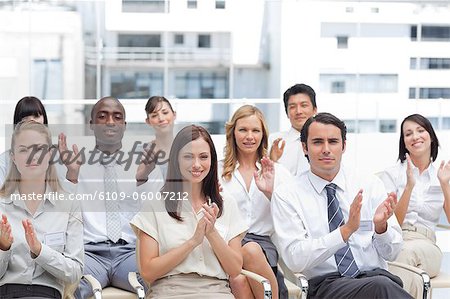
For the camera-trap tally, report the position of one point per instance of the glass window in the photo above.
(445, 123)
(47, 79)
(220, 4)
(178, 39)
(140, 40)
(140, 85)
(143, 6)
(412, 92)
(412, 63)
(388, 125)
(435, 33)
(338, 87)
(342, 42)
(193, 85)
(434, 63)
(204, 41)
(434, 93)
(413, 32)
(191, 3)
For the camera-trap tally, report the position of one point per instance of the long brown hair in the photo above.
(231, 149)
(13, 178)
(174, 180)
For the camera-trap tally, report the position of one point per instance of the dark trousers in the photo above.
(375, 284)
(16, 290)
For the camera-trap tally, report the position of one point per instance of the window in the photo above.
(204, 41)
(140, 40)
(412, 92)
(374, 10)
(132, 85)
(435, 63)
(338, 87)
(388, 125)
(192, 4)
(349, 9)
(47, 79)
(413, 32)
(342, 42)
(220, 4)
(445, 123)
(178, 39)
(205, 85)
(435, 33)
(434, 93)
(413, 63)
(365, 83)
(157, 6)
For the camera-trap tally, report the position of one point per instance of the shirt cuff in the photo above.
(384, 237)
(45, 256)
(5, 254)
(334, 241)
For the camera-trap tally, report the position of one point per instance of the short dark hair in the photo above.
(153, 102)
(28, 106)
(174, 180)
(299, 88)
(323, 118)
(424, 123)
(103, 99)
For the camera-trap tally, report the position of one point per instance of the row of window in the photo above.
(429, 63)
(158, 6)
(364, 83)
(429, 93)
(388, 125)
(188, 85)
(154, 40)
(430, 33)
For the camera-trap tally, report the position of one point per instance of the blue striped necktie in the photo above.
(344, 257)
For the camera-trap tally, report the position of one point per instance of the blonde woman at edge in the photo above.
(189, 242)
(250, 178)
(424, 191)
(41, 240)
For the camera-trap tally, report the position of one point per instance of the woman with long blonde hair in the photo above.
(41, 231)
(250, 177)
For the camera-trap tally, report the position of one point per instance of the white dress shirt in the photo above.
(129, 197)
(293, 157)
(59, 228)
(427, 200)
(170, 233)
(253, 204)
(300, 218)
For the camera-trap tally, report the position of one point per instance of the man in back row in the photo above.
(299, 104)
(341, 244)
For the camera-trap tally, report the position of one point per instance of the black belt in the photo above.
(17, 290)
(109, 242)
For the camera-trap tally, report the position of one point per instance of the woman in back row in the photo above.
(423, 191)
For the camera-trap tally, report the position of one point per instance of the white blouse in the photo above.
(253, 204)
(154, 220)
(427, 200)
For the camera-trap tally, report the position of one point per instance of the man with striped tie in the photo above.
(336, 229)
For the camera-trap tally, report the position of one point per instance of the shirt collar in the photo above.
(258, 165)
(319, 184)
(293, 134)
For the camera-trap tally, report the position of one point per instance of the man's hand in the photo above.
(384, 212)
(354, 217)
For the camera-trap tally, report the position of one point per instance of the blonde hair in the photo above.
(231, 149)
(13, 178)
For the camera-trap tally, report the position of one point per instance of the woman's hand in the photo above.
(147, 165)
(410, 180)
(199, 233)
(444, 172)
(30, 235)
(210, 216)
(6, 238)
(266, 179)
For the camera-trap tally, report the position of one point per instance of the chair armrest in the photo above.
(264, 281)
(418, 271)
(96, 287)
(134, 282)
(302, 283)
(443, 226)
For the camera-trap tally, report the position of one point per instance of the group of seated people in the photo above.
(188, 223)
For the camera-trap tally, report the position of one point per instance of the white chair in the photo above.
(442, 280)
(115, 293)
(296, 283)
